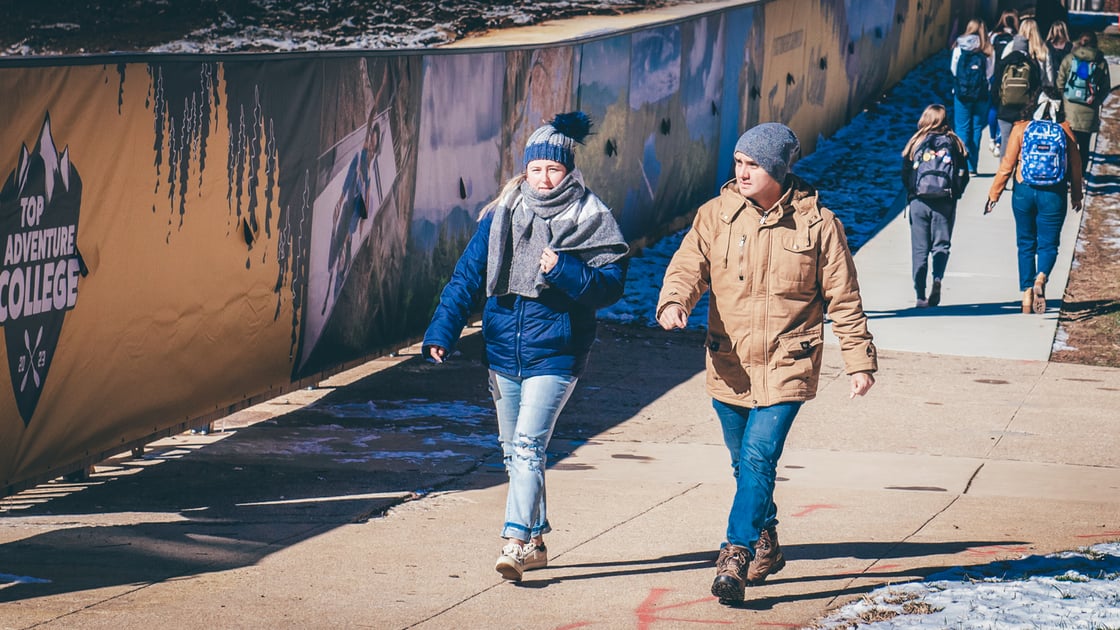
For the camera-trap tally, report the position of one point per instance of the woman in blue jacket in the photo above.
(548, 253)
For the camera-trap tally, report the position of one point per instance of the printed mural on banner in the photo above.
(39, 206)
(360, 172)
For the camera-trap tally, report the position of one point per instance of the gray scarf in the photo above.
(568, 218)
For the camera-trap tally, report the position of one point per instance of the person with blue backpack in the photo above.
(935, 174)
(547, 253)
(1085, 81)
(1042, 157)
(971, 64)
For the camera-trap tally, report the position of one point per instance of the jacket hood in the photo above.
(800, 196)
(969, 42)
(1086, 53)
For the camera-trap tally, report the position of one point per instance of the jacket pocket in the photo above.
(725, 370)
(795, 264)
(797, 358)
(800, 345)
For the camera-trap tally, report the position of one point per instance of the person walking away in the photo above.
(547, 253)
(971, 64)
(1037, 50)
(1058, 45)
(934, 174)
(1085, 81)
(1017, 79)
(773, 259)
(1002, 34)
(1046, 168)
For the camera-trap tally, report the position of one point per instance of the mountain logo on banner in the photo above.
(39, 270)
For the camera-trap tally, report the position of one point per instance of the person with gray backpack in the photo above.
(1085, 81)
(935, 174)
(1040, 156)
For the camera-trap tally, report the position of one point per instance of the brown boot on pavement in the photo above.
(731, 570)
(768, 557)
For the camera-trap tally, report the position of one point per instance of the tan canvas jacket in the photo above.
(771, 275)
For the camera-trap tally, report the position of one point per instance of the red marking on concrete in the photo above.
(994, 550)
(1100, 535)
(648, 610)
(813, 507)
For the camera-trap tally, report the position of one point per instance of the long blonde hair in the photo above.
(511, 185)
(933, 120)
(976, 26)
(1058, 36)
(1028, 28)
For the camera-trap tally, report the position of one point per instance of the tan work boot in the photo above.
(768, 557)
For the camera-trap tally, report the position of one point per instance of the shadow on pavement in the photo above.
(210, 503)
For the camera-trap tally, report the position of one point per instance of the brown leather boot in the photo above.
(768, 557)
(731, 570)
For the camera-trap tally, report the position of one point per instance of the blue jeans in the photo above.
(1039, 215)
(527, 411)
(755, 437)
(931, 228)
(969, 120)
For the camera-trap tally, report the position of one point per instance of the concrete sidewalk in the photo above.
(335, 507)
(375, 499)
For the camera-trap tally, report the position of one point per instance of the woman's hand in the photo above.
(549, 259)
(437, 353)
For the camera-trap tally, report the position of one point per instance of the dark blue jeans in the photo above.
(969, 120)
(1039, 215)
(755, 437)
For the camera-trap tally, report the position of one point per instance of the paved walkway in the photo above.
(374, 501)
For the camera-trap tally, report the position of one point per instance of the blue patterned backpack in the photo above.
(1042, 161)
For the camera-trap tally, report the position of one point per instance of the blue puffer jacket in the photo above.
(551, 334)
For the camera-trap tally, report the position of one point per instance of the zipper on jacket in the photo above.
(517, 334)
(742, 249)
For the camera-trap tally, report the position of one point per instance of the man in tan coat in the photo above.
(774, 261)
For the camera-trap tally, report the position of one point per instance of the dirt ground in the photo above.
(1091, 307)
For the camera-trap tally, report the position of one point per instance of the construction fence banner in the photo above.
(185, 234)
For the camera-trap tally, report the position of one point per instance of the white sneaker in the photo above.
(511, 564)
(535, 557)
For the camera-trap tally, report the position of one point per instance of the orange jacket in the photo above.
(1010, 163)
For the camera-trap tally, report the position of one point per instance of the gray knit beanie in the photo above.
(773, 145)
(555, 139)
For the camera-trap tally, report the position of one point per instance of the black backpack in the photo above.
(936, 175)
(971, 84)
(1000, 41)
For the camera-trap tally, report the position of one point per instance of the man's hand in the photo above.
(674, 316)
(1077, 206)
(988, 207)
(861, 382)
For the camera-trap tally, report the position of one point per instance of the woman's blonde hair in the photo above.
(1058, 36)
(933, 120)
(976, 26)
(511, 185)
(1028, 28)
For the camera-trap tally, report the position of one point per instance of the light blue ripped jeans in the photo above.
(527, 411)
